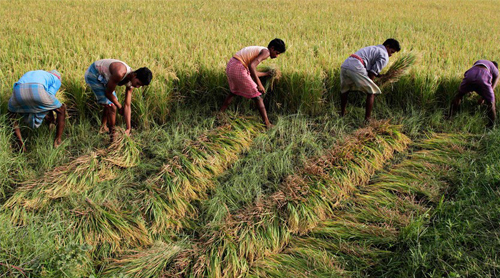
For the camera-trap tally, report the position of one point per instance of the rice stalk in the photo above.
(146, 263)
(109, 223)
(124, 151)
(79, 175)
(168, 196)
(302, 201)
(362, 234)
(404, 62)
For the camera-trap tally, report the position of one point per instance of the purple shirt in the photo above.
(491, 68)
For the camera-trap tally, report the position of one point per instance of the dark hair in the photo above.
(278, 45)
(495, 63)
(144, 75)
(392, 43)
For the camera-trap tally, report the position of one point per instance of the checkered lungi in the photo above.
(240, 80)
(33, 102)
(356, 81)
(98, 85)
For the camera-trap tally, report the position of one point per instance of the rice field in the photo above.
(196, 193)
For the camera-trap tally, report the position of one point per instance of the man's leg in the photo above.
(455, 103)
(17, 131)
(343, 103)
(111, 113)
(61, 116)
(104, 120)
(227, 101)
(262, 110)
(370, 98)
(49, 118)
(492, 113)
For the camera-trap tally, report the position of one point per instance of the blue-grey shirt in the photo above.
(375, 58)
(49, 81)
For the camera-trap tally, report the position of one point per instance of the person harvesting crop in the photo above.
(243, 77)
(34, 99)
(103, 76)
(481, 78)
(360, 69)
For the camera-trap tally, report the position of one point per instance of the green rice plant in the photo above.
(362, 233)
(150, 262)
(274, 77)
(75, 177)
(34, 250)
(397, 69)
(302, 201)
(168, 195)
(124, 151)
(109, 223)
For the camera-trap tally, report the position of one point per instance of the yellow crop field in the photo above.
(198, 193)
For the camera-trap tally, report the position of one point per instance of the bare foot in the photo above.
(57, 142)
(103, 129)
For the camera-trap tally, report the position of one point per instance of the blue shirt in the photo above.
(375, 58)
(49, 81)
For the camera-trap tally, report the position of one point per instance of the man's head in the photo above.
(276, 47)
(392, 46)
(495, 63)
(142, 77)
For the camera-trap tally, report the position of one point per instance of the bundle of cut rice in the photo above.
(274, 76)
(397, 69)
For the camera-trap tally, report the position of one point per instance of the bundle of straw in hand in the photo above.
(274, 76)
(397, 69)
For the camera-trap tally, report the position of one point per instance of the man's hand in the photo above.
(121, 110)
(261, 89)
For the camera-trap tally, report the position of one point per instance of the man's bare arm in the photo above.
(264, 54)
(118, 71)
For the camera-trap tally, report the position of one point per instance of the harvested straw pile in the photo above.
(305, 199)
(123, 151)
(78, 176)
(189, 174)
(364, 232)
(397, 69)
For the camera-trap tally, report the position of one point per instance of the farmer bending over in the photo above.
(243, 76)
(481, 78)
(359, 70)
(34, 99)
(103, 76)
